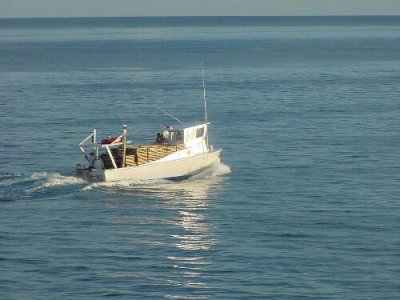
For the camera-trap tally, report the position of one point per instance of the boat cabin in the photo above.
(189, 136)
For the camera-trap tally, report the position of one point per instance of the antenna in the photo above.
(169, 115)
(204, 93)
(205, 103)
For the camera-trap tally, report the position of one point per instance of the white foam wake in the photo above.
(50, 180)
(221, 170)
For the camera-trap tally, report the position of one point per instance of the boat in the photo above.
(177, 154)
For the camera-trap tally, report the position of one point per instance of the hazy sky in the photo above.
(78, 8)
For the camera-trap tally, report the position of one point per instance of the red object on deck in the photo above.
(108, 140)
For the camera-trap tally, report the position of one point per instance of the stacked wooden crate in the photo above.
(149, 153)
(131, 160)
(130, 155)
(139, 155)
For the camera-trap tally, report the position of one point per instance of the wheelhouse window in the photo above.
(179, 136)
(200, 132)
(174, 136)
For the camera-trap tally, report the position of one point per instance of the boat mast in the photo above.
(124, 144)
(205, 102)
(204, 93)
(94, 141)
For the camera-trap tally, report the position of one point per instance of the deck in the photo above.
(137, 155)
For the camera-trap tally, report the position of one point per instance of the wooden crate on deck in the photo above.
(130, 160)
(149, 153)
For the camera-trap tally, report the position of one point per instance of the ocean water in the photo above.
(306, 201)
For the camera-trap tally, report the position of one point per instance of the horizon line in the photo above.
(202, 16)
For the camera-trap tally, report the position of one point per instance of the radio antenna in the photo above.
(204, 93)
(205, 102)
(169, 115)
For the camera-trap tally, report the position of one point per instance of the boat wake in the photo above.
(51, 180)
(216, 170)
(219, 169)
(15, 186)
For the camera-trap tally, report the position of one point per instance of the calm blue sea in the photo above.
(306, 202)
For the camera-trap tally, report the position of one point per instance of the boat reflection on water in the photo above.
(196, 233)
(172, 218)
(195, 236)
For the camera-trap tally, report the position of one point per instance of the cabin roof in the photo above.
(186, 126)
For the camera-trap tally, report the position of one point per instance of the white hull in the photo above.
(169, 169)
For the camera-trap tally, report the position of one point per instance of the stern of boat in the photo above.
(89, 174)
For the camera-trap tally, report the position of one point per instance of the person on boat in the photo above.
(91, 158)
(159, 139)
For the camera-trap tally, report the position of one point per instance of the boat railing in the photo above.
(92, 136)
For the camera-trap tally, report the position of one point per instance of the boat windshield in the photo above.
(173, 136)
